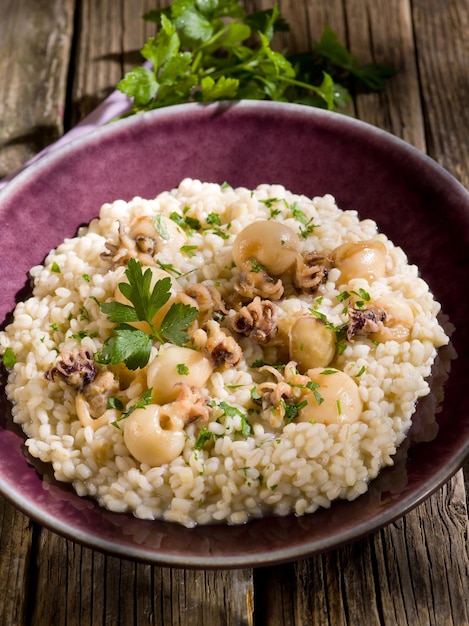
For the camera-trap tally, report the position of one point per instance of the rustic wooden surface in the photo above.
(58, 60)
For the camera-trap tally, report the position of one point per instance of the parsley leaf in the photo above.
(128, 345)
(206, 50)
(176, 321)
(131, 345)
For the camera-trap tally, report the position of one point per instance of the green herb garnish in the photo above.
(131, 345)
(298, 214)
(168, 267)
(9, 358)
(292, 410)
(185, 221)
(213, 219)
(160, 226)
(145, 400)
(114, 403)
(313, 386)
(214, 50)
(256, 267)
(203, 438)
(189, 250)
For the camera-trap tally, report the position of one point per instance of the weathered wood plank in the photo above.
(109, 39)
(76, 585)
(441, 35)
(427, 562)
(382, 32)
(15, 547)
(414, 572)
(34, 53)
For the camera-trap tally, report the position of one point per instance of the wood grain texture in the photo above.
(76, 585)
(441, 36)
(414, 571)
(15, 548)
(383, 33)
(34, 54)
(109, 37)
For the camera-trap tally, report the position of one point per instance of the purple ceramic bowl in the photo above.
(414, 201)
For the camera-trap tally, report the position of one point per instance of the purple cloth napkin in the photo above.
(114, 105)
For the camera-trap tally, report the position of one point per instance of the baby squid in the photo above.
(335, 400)
(266, 244)
(360, 259)
(173, 366)
(311, 343)
(154, 434)
(152, 235)
(398, 321)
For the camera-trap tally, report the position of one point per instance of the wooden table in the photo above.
(58, 60)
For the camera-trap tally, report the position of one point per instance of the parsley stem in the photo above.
(197, 59)
(206, 44)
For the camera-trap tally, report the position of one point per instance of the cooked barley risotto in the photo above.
(220, 354)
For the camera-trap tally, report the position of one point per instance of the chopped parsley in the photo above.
(292, 410)
(255, 395)
(256, 267)
(9, 358)
(307, 223)
(189, 250)
(114, 403)
(365, 297)
(185, 221)
(313, 386)
(203, 438)
(343, 296)
(144, 400)
(168, 267)
(160, 226)
(221, 233)
(261, 363)
(213, 219)
(362, 371)
(298, 214)
(182, 369)
(81, 334)
(84, 315)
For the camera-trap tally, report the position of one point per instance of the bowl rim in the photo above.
(266, 557)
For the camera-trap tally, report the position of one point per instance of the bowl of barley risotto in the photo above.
(232, 334)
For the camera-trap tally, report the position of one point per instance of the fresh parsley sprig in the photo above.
(131, 345)
(213, 50)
